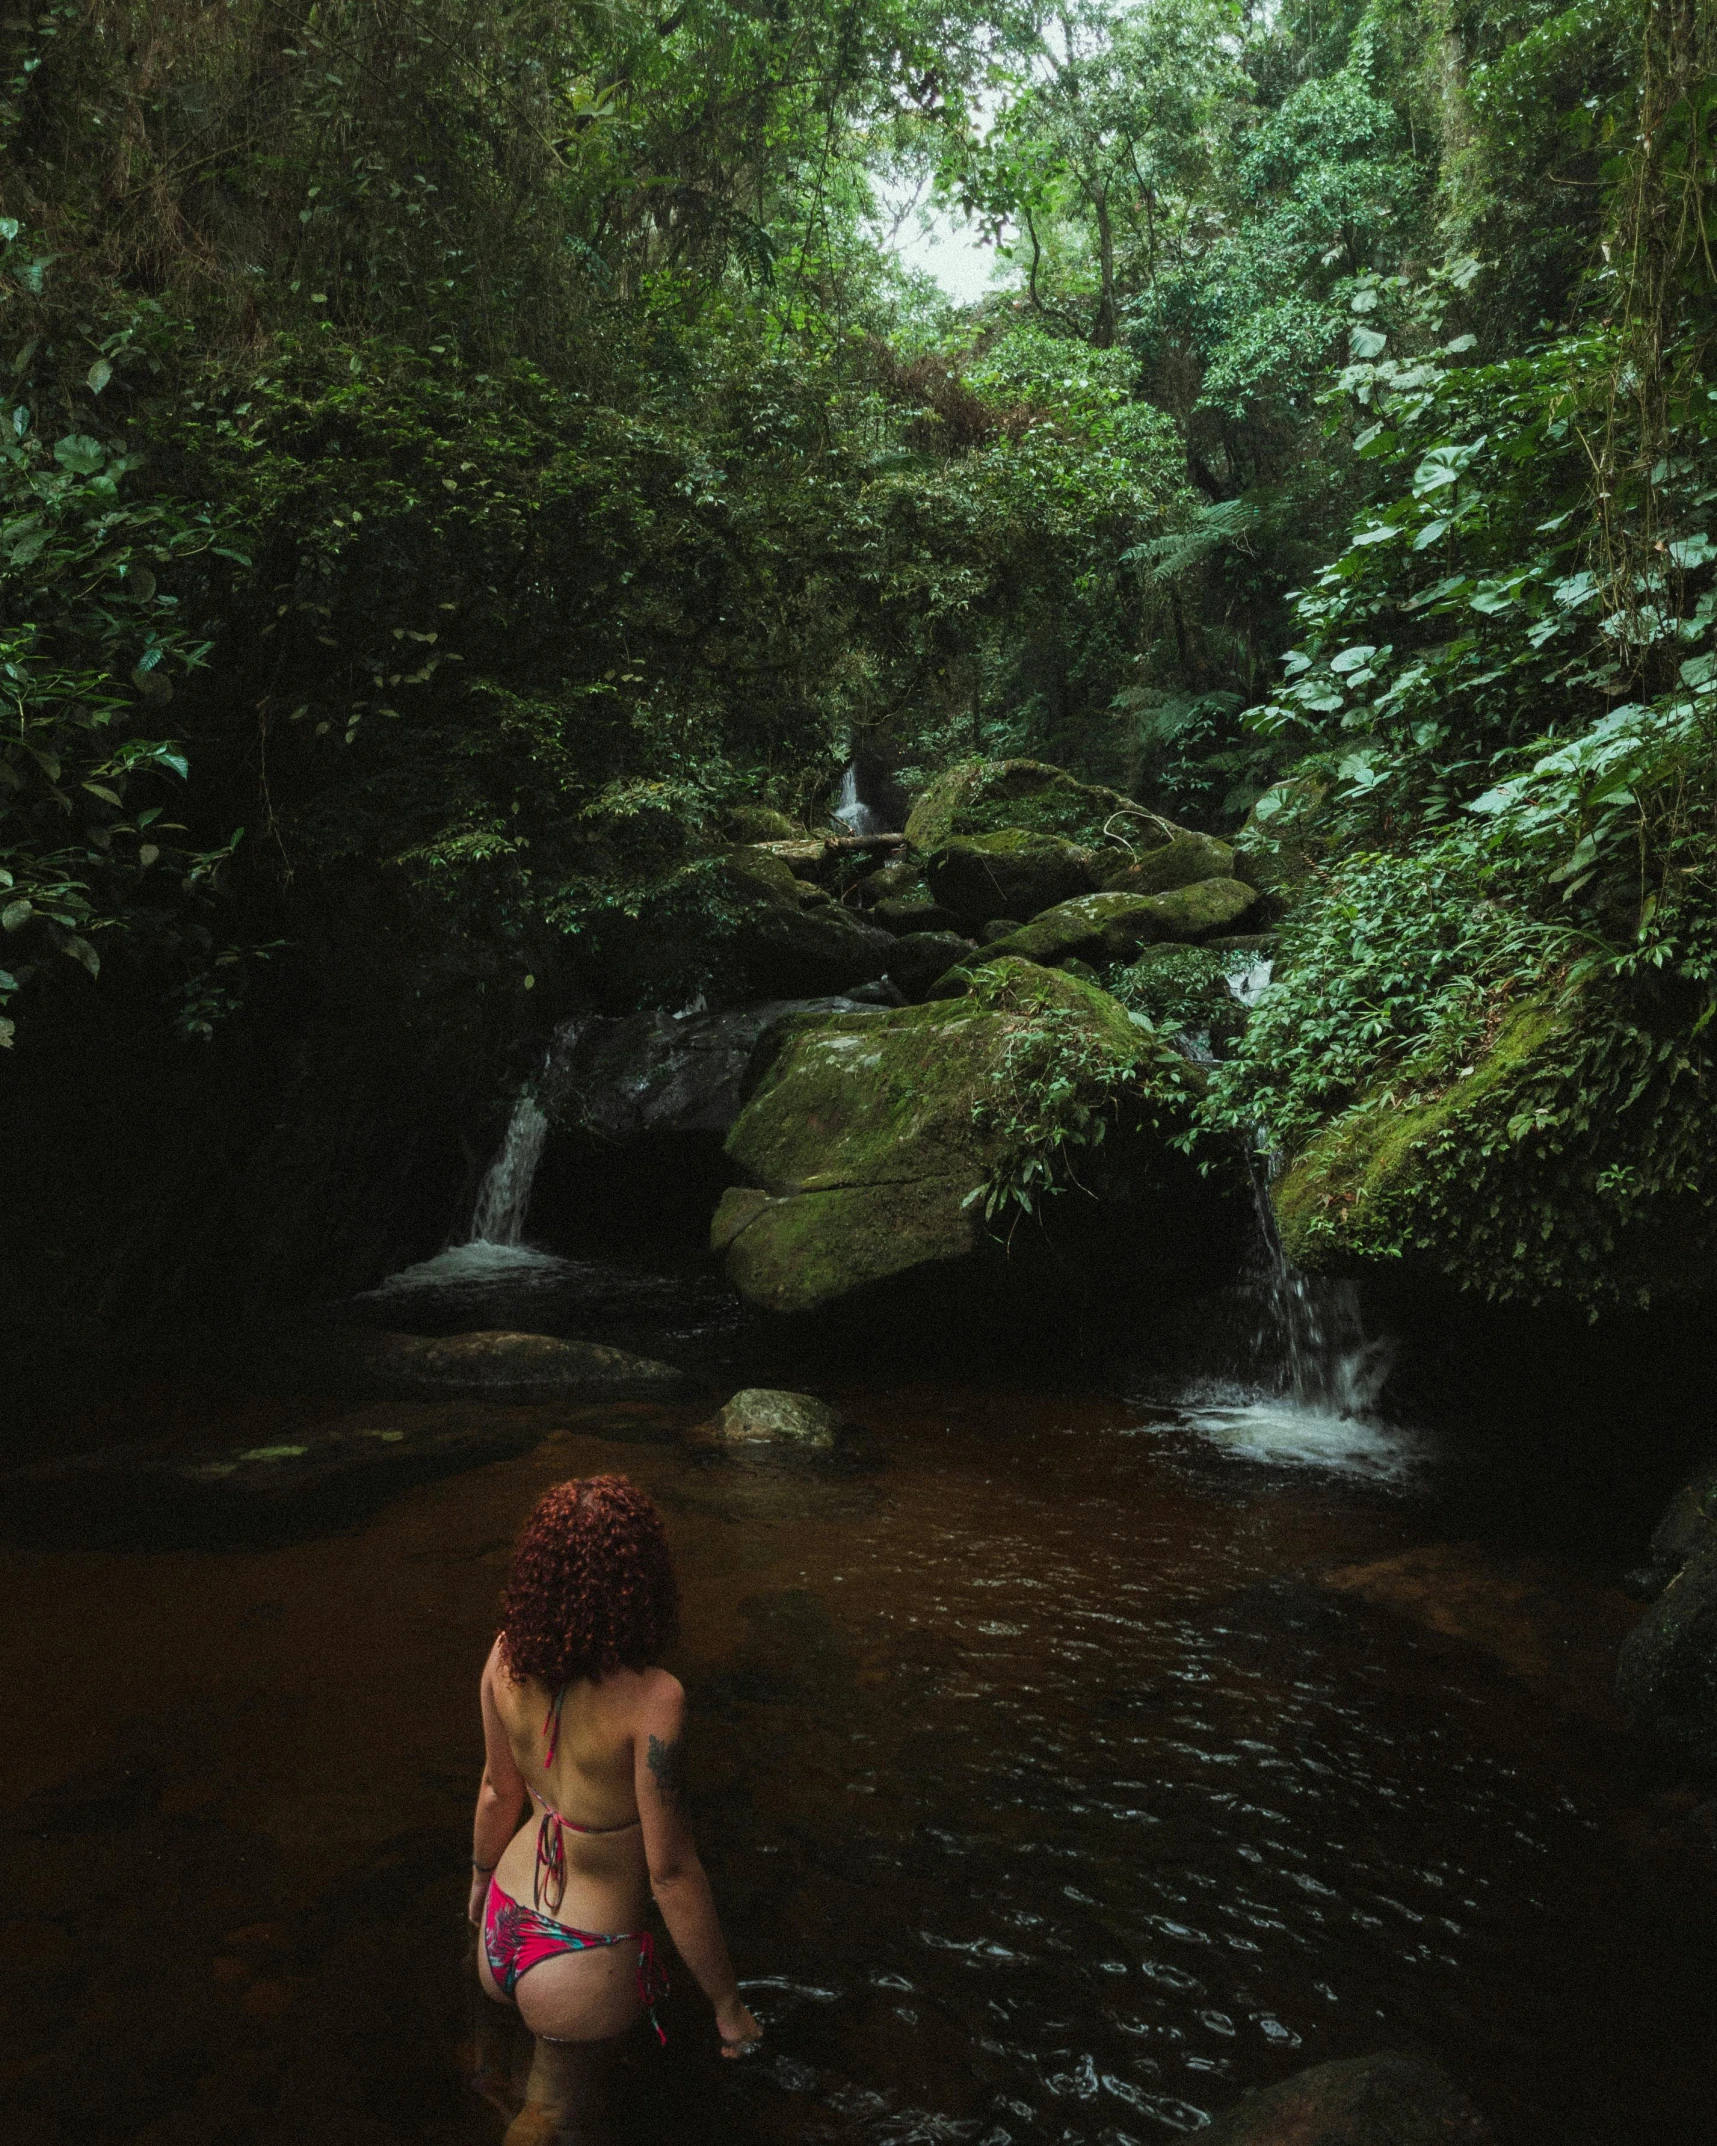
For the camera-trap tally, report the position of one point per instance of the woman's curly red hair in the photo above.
(592, 1587)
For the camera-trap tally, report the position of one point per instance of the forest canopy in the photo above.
(459, 457)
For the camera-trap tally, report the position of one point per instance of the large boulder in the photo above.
(982, 797)
(922, 956)
(1180, 863)
(1667, 1672)
(865, 1146)
(1013, 873)
(1204, 909)
(664, 1072)
(1096, 927)
(1385, 2100)
(734, 929)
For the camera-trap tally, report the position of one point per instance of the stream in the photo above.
(1064, 1763)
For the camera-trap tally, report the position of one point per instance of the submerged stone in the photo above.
(762, 1415)
(1390, 2099)
(528, 1366)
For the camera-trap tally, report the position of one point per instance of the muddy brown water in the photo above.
(1060, 1777)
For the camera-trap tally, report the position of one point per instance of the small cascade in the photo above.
(504, 1197)
(1312, 1328)
(852, 811)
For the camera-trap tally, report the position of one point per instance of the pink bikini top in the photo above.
(549, 1876)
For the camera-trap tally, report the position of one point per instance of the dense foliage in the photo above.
(461, 460)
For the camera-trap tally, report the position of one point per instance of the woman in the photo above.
(578, 1717)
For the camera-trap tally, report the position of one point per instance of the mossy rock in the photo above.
(980, 797)
(1203, 910)
(914, 909)
(1095, 927)
(734, 929)
(761, 823)
(1014, 873)
(1180, 863)
(1361, 1184)
(920, 957)
(1541, 1170)
(861, 1141)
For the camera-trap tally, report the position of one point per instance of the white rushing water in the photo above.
(504, 1197)
(852, 812)
(1307, 1389)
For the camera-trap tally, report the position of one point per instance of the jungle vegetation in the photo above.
(458, 456)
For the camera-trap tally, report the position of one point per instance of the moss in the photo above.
(1201, 910)
(758, 823)
(799, 1254)
(1180, 863)
(1016, 872)
(871, 1134)
(1573, 1159)
(1102, 927)
(1352, 1191)
(981, 797)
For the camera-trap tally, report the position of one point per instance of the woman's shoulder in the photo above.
(649, 1695)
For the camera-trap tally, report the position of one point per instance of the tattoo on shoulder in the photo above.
(668, 1763)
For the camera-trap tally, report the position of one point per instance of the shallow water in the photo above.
(1063, 1770)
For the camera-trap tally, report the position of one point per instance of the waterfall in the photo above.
(504, 1197)
(852, 811)
(1312, 1338)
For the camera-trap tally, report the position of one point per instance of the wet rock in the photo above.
(1016, 872)
(1386, 2100)
(998, 928)
(761, 1415)
(1180, 863)
(922, 956)
(982, 797)
(861, 1140)
(884, 992)
(503, 1365)
(663, 1072)
(1666, 1674)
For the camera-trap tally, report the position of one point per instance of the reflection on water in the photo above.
(1050, 1791)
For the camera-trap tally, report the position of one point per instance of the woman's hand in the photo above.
(479, 1894)
(737, 2025)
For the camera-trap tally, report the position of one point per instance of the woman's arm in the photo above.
(676, 1876)
(499, 1797)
